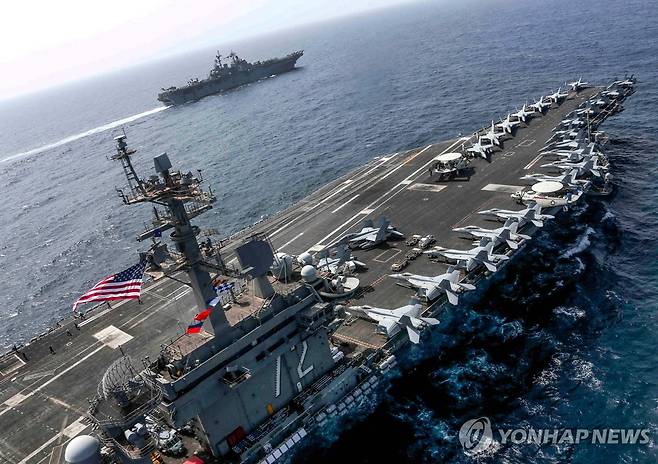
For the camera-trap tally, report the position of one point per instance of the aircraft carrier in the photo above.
(305, 317)
(227, 75)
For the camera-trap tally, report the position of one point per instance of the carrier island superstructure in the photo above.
(308, 308)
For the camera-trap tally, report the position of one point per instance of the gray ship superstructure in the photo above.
(226, 75)
(308, 308)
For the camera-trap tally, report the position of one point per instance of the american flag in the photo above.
(126, 285)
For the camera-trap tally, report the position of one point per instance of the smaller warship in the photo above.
(228, 73)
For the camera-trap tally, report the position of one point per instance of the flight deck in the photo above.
(45, 385)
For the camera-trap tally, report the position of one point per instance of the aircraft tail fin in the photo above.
(490, 266)
(466, 286)
(430, 320)
(412, 332)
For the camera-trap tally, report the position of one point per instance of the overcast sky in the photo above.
(45, 42)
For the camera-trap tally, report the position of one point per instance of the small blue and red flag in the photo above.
(197, 324)
(225, 287)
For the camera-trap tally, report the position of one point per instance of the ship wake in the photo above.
(81, 135)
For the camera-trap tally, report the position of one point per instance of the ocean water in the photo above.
(564, 338)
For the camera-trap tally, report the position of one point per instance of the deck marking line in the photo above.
(18, 400)
(72, 430)
(344, 204)
(419, 186)
(15, 400)
(112, 337)
(291, 240)
(475, 212)
(401, 165)
(37, 375)
(150, 313)
(502, 188)
(360, 175)
(326, 199)
(372, 205)
(533, 162)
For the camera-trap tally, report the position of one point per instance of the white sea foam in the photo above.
(72, 138)
(581, 246)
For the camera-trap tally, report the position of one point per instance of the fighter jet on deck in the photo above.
(480, 149)
(587, 165)
(540, 106)
(587, 110)
(601, 100)
(569, 178)
(564, 136)
(565, 145)
(506, 234)
(530, 214)
(557, 97)
(471, 259)
(571, 122)
(572, 151)
(370, 236)
(507, 125)
(495, 137)
(612, 92)
(340, 261)
(432, 287)
(523, 114)
(578, 85)
(577, 154)
(627, 82)
(390, 321)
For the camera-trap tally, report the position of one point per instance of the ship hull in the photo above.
(208, 87)
(398, 184)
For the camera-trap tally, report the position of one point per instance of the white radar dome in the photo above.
(83, 449)
(282, 266)
(309, 273)
(305, 258)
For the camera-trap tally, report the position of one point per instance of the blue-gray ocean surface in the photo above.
(566, 338)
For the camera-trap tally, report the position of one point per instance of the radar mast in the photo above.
(182, 198)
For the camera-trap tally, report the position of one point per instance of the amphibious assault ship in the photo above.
(227, 75)
(307, 310)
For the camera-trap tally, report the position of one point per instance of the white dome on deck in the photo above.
(83, 449)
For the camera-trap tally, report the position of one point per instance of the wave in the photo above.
(73, 138)
(582, 245)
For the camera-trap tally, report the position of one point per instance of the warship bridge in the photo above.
(45, 386)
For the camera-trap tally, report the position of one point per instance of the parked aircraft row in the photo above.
(486, 142)
(576, 153)
(580, 163)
